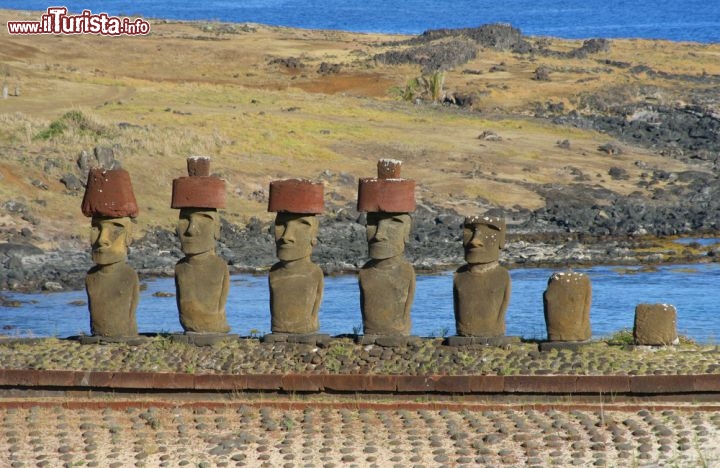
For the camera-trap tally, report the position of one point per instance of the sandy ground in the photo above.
(243, 435)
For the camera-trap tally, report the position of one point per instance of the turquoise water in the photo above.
(681, 20)
(692, 289)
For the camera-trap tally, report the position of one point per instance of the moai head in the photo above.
(484, 237)
(387, 200)
(198, 197)
(110, 201)
(198, 230)
(296, 202)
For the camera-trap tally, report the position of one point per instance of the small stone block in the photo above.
(540, 384)
(302, 383)
(454, 383)
(388, 341)
(496, 341)
(661, 384)
(568, 345)
(198, 166)
(274, 338)
(389, 169)
(415, 383)
(655, 325)
(394, 341)
(566, 304)
(128, 340)
(308, 338)
(602, 384)
(344, 382)
(365, 339)
(202, 339)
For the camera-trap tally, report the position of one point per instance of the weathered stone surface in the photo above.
(481, 298)
(112, 286)
(567, 307)
(387, 289)
(198, 166)
(546, 346)
(296, 196)
(202, 279)
(655, 324)
(497, 341)
(295, 295)
(481, 289)
(202, 282)
(198, 192)
(113, 292)
(387, 281)
(109, 193)
(387, 193)
(99, 339)
(202, 339)
(296, 283)
(301, 338)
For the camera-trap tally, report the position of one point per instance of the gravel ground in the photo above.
(327, 437)
(343, 356)
(264, 433)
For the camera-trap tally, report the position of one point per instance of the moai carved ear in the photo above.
(218, 226)
(129, 230)
(408, 228)
(315, 231)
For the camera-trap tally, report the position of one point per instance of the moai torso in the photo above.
(567, 307)
(655, 324)
(113, 292)
(295, 294)
(481, 297)
(202, 286)
(387, 289)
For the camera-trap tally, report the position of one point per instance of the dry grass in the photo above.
(208, 89)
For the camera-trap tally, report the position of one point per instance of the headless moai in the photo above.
(296, 283)
(112, 285)
(387, 281)
(481, 289)
(202, 279)
(567, 307)
(655, 325)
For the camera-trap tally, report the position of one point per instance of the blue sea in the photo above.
(677, 20)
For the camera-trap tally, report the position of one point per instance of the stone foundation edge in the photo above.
(365, 383)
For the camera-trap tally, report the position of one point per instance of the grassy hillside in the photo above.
(267, 103)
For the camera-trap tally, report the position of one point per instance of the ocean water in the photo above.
(678, 20)
(692, 289)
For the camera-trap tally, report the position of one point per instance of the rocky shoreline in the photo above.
(435, 246)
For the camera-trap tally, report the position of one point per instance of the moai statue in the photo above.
(655, 325)
(112, 285)
(481, 289)
(201, 278)
(567, 307)
(387, 281)
(296, 283)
